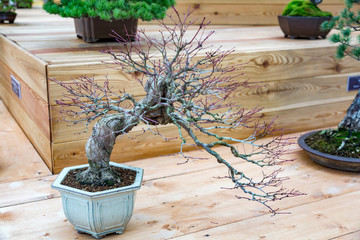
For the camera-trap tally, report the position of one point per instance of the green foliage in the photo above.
(304, 8)
(108, 10)
(24, 3)
(347, 22)
(339, 142)
(5, 6)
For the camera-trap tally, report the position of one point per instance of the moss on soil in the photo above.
(304, 8)
(339, 142)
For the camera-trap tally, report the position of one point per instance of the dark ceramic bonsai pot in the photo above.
(7, 16)
(303, 27)
(327, 160)
(94, 29)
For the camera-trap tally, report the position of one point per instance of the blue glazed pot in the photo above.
(98, 213)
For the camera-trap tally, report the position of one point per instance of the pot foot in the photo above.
(120, 231)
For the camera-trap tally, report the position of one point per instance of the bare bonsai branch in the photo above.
(187, 84)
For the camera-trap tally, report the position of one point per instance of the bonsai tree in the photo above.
(344, 141)
(305, 8)
(7, 11)
(186, 84)
(95, 19)
(302, 19)
(109, 10)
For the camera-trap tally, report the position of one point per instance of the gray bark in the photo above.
(100, 145)
(352, 119)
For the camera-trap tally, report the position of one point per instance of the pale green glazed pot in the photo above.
(98, 213)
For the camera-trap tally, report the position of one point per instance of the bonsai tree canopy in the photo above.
(24, 3)
(109, 10)
(6, 7)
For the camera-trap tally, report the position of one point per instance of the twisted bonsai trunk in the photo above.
(351, 121)
(100, 145)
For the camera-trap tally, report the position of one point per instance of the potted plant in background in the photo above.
(7, 12)
(96, 19)
(186, 84)
(303, 19)
(340, 148)
(24, 3)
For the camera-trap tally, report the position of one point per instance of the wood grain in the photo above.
(28, 67)
(32, 130)
(241, 12)
(18, 158)
(173, 207)
(31, 103)
(273, 96)
(148, 145)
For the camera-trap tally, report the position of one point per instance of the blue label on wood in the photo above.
(353, 83)
(15, 85)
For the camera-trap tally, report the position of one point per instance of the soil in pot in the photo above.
(338, 142)
(127, 176)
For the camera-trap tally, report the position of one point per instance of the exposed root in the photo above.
(100, 177)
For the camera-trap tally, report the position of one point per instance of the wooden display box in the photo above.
(302, 84)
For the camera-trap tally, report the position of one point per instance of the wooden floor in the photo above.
(179, 201)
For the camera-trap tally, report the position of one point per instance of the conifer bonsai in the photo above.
(344, 141)
(110, 10)
(97, 19)
(7, 11)
(186, 84)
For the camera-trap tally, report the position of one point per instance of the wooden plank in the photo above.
(23, 191)
(261, 65)
(318, 220)
(98, 70)
(18, 158)
(348, 236)
(242, 39)
(173, 206)
(240, 14)
(36, 136)
(28, 67)
(30, 102)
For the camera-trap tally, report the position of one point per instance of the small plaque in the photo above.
(15, 85)
(353, 83)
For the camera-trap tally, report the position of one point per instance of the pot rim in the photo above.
(303, 145)
(284, 16)
(135, 186)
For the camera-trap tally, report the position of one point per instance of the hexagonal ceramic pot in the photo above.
(98, 213)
